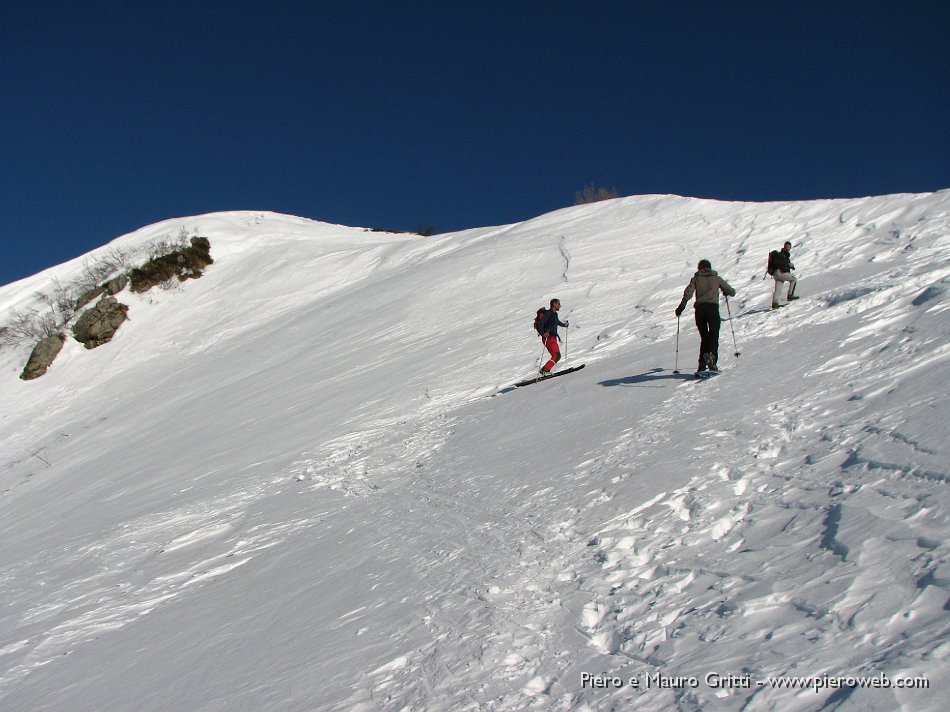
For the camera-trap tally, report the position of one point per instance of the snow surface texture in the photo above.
(304, 481)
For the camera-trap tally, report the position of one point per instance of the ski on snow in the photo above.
(529, 381)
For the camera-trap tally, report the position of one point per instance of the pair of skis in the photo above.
(529, 381)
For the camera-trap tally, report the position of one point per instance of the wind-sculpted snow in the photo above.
(306, 482)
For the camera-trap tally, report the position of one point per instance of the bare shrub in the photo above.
(169, 243)
(114, 261)
(590, 194)
(48, 324)
(97, 270)
(61, 300)
(25, 327)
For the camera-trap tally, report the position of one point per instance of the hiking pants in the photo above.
(551, 345)
(707, 321)
(780, 277)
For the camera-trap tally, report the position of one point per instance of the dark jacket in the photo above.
(706, 284)
(551, 323)
(783, 261)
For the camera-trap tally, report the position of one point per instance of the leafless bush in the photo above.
(114, 261)
(32, 326)
(590, 194)
(48, 324)
(61, 300)
(102, 267)
(169, 244)
(93, 273)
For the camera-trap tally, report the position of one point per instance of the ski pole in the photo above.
(566, 321)
(734, 343)
(676, 364)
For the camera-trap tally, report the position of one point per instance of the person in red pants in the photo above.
(549, 336)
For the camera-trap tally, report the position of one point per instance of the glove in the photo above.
(679, 310)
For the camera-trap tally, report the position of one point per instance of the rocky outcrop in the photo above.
(186, 263)
(98, 325)
(113, 286)
(41, 358)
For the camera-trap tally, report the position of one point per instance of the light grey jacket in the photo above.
(706, 284)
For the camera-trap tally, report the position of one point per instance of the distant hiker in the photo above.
(780, 267)
(548, 331)
(706, 284)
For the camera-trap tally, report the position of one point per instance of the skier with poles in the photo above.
(706, 284)
(548, 331)
(780, 267)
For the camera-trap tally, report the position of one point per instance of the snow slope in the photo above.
(304, 481)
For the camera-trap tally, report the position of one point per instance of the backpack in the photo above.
(539, 321)
(773, 262)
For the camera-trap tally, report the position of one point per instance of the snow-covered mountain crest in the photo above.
(303, 481)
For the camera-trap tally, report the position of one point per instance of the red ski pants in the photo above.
(551, 345)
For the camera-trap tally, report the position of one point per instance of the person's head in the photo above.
(787, 247)
(705, 264)
(541, 311)
(555, 304)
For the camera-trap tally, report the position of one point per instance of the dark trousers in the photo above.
(707, 321)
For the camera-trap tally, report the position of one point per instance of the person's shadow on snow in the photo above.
(657, 374)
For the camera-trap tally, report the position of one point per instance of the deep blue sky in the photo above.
(115, 115)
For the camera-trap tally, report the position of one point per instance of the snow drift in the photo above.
(304, 482)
